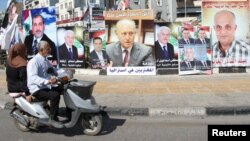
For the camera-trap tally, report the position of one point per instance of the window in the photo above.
(70, 4)
(92, 1)
(66, 5)
(76, 14)
(159, 2)
(66, 16)
(62, 17)
(61, 6)
(57, 9)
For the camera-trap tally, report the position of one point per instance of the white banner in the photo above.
(147, 70)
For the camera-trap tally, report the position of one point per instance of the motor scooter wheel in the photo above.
(92, 124)
(20, 126)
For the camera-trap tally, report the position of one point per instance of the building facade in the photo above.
(30, 4)
(188, 8)
(69, 12)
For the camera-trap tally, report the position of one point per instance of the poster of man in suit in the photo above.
(98, 56)
(202, 35)
(193, 59)
(40, 25)
(126, 52)
(70, 47)
(166, 45)
(186, 35)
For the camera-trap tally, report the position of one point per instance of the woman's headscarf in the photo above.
(17, 56)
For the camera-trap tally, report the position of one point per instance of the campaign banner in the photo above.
(230, 22)
(98, 56)
(194, 59)
(70, 47)
(40, 25)
(147, 70)
(97, 20)
(10, 31)
(166, 45)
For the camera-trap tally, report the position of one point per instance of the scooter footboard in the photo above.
(74, 118)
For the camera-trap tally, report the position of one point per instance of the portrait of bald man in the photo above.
(68, 51)
(228, 50)
(127, 52)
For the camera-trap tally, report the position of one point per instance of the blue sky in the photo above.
(47, 13)
(3, 4)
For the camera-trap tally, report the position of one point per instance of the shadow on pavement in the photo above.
(109, 125)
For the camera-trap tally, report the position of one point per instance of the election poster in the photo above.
(40, 25)
(166, 45)
(230, 22)
(98, 56)
(70, 47)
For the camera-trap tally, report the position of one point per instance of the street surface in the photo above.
(125, 129)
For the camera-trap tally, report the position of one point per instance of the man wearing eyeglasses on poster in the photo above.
(126, 52)
(228, 51)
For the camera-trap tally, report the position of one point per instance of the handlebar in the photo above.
(63, 81)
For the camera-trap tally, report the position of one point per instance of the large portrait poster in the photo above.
(98, 56)
(166, 45)
(130, 42)
(70, 47)
(40, 24)
(230, 22)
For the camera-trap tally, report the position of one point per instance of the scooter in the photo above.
(77, 97)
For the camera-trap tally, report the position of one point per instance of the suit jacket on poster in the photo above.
(159, 53)
(29, 41)
(64, 52)
(182, 41)
(195, 63)
(198, 41)
(140, 55)
(94, 60)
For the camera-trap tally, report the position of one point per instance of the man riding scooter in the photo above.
(40, 82)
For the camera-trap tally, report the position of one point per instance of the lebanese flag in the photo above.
(27, 22)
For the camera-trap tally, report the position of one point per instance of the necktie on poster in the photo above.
(125, 61)
(71, 54)
(166, 56)
(34, 47)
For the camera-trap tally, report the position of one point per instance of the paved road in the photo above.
(126, 129)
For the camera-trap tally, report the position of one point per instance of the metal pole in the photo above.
(185, 8)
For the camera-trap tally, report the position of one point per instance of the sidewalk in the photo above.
(163, 95)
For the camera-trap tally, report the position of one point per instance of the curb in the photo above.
(164, 112)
